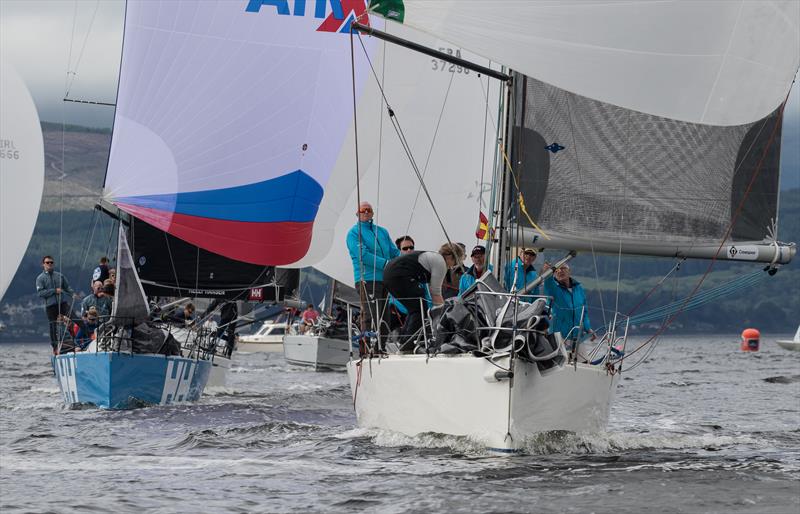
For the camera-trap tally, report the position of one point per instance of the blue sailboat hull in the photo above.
(113, 380)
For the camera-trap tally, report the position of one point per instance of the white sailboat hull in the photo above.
(459, 395)
(317, 352)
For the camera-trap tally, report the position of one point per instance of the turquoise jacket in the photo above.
(46, 285)
(377, 249)
(469, 278)
(567, 307)
(524, 277)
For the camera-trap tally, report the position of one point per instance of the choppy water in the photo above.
(700, 427)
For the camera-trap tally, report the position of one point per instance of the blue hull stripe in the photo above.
(113, 380)
(292, 197)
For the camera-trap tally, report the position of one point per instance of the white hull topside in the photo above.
(459, 395)
(316, 351)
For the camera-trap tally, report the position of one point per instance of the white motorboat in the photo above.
(791, 344)
(268, 338)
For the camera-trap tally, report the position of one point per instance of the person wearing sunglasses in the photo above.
(405, 244)
(54, 289)
(370, 249)
(520, 272)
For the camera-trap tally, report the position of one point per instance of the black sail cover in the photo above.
(169, 266)
(597, 171)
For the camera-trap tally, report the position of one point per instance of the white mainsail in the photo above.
(702, 61)
(21, 170)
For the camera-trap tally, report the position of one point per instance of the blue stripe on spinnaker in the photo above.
(292, 197)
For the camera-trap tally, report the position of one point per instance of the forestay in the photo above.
(701, 61)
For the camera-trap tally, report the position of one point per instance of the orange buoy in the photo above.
(750, 340)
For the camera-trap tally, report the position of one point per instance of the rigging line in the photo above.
(483, 141)
(619, 272)
(83, 48)
(89, 238)
(599, 289)
(172, 265)
(71, 42)
(362, 284)
(652, 290)
(401, 135)
(430, 149)
(110, 235)
(735, 216)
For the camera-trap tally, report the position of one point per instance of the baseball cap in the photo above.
(477, 249)
(529, 250)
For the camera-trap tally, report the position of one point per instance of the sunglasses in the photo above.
(365, 210)
(49, 262)
(405, 248)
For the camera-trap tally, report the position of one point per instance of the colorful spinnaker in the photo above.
(230, 117)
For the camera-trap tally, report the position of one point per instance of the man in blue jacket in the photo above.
(53, 287)
(523, 271)
(476, 271)
(370, 248)
(568, 305)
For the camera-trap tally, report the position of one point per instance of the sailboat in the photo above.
(132, 361)
(21, 170)
(793, 344)
(624, 137)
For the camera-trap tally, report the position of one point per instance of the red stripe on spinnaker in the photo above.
(265, 244)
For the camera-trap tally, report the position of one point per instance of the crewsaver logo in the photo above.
(343, 12)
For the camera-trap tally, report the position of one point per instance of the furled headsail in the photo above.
(130, 303)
